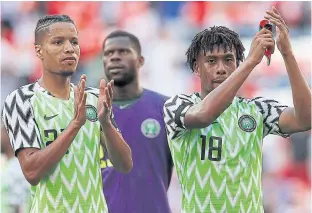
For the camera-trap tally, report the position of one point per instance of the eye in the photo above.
(229, 59)
(108, 53)
(57, 42)
(75, 42)
(211, 61)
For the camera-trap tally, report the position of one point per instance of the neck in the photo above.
(127, 92)
(57, 85)
(203, 93)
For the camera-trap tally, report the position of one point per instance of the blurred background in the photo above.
(165, 30)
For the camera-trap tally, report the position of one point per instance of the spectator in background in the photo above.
(15, 190)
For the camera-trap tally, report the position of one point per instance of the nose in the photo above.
(68, 47)
(221, 69)
(115, 56)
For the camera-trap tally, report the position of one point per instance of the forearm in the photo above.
(216, 102)
(118, 150)
(39, 163)
(301, 92)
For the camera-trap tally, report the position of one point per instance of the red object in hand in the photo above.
(266, 24)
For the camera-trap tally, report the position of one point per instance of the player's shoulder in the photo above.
(180, 98)
(22, 93)
(259, 100)
(155, 96)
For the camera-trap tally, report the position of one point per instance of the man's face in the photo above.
(121, 61)
(59, 49)
(215, 67)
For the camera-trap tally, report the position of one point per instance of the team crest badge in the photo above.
(150, 128)
(91, 113)
(247, 123)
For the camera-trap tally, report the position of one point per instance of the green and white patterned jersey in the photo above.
(34, 118)
(219, 166)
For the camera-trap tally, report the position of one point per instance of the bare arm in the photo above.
(36, 163)
(295, 119)
(214, 104)
(118, 150)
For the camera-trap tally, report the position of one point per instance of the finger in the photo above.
(82, 104)
(105, 105)
(273, 14)
(267, 35)
(76, 93)
(84, 100)
(108, 97)
(264, 31)
(76, 96)
(102, 87)
(111, 89)
(281, 26)
(82, 89)
(83, 76)
(276, 11)
(267, 44)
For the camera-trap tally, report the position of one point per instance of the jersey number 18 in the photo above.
(212, 148)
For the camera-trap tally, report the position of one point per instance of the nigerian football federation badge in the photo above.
(91, 113)
(247, 123)
(150, 128)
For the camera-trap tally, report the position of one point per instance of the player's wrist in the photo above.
(75, 125)
(249, 64)
(106, 124)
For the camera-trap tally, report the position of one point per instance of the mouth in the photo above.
(115, 69)
(69, 59)
(219, 81)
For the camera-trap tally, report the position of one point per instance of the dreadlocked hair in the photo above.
(46, 21)
(216, 35)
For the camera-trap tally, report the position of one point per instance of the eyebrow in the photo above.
(62, 37)
(224, 56)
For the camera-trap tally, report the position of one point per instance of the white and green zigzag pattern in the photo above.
(231, 185)
(75, 184)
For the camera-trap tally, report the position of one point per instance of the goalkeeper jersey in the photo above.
(34, 118)
(219, 166)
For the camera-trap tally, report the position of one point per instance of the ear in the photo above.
(196, 68)
(141, 61)
(38, 50)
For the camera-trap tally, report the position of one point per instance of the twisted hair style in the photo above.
(216, 35)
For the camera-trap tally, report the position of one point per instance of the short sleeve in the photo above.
(19, 122)
(271, 111)
(174, 110)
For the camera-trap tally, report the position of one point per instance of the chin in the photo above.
(67, 73)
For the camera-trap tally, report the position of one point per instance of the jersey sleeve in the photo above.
(19, 122)
(174, 110)
(271, 111)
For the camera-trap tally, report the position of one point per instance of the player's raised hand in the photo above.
(105, 101)
(282, 32)
(262, 40)
(80, 97)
